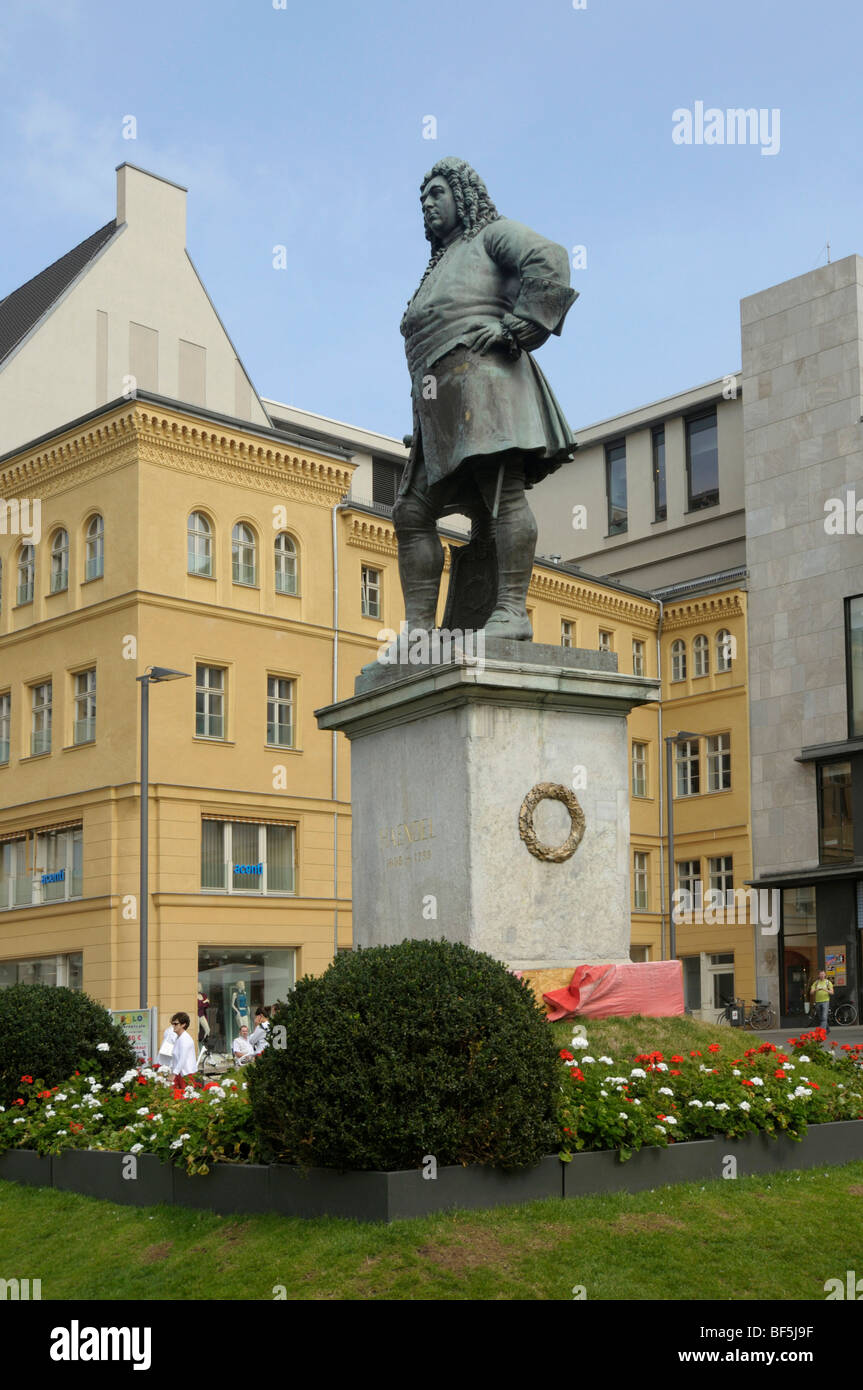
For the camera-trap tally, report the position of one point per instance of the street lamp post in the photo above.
(152, 675)
(680, 737)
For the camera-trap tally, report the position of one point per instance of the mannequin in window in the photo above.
(240, 1004)
(203, 1021)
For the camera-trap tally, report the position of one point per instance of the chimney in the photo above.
(151, 204)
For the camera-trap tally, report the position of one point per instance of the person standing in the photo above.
(184, 1061)
(242, 1048)
(259, 1038)
(821, 990)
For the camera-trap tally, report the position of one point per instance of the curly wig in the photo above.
(473, 205)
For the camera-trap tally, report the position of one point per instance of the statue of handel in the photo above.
(486, 424)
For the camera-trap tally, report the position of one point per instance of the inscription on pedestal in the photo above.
(402, 837)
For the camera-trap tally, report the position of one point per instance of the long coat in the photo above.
(467, 405)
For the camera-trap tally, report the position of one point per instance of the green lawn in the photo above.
(779, 1237)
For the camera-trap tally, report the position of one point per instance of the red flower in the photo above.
(714, 1047)
(28, 1080)
(151, 1117)
(75, 1128)
(43, 1095)
(695, 1054)
(744, 1082)
(780, 1074)
(19, 1101)
(142, 1080)
(563, 1054)
(676, 1058)
(846, 1047)
(813, 1085)
(767, 1047)
(781, 1057)
(178, 1095)
(675, 1071)
(127, 1096)
(660, 1117)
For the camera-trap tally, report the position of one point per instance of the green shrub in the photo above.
(397, 1052)
(48, 1032)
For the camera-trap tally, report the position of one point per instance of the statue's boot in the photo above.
(420, 568)
(516, 546)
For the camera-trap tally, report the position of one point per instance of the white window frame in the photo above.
(719, 762)
(84, 704)
(26, 574)
(214, 700)
(94, 547)
(700, 656)
(638, 656)
(678, 660)
(244, 544)
(60, 561)
(371, 591)
(41, 709)
(286, 554)
(199, 545)
(566, 632)
(276, 703)
(229, 865)
(5, 727)
(640, 881)
(687, 761)
(639, 766)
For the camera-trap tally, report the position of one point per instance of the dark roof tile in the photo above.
(24, 307)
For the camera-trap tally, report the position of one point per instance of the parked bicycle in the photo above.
(842, 1013)
(760, 1016)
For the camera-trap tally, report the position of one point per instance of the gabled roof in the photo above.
(21, 310)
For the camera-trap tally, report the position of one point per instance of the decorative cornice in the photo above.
(158, 436)
(364, 531)
(574, 593)
(703, 610)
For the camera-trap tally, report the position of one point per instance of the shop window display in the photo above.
(234, 982)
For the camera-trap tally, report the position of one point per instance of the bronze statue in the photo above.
(486, 424)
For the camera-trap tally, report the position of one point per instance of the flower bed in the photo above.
(140, 1113)
(655, 1101)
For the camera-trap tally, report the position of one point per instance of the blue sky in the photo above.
(303, 127)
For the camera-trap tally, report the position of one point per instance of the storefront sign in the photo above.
(834, 965)
(140, 1027)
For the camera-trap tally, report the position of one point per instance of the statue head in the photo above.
(473, 207)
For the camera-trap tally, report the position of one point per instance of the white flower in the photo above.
(101, 1047)
(636, 1101)
(145, 1110)
(637, 1071)
(127, 1076)
(698, 1105)
(617, 1080)
(609, 1061)
(587, 1059)
(623, 1116)
(604, 1093)
(185, 1136)
(661, 1066)
(666, 1091)
(177, 1144)
(136, 1148)
(804, 1058)
(118, 1086)
(61, 1131)
(92, 1080)
(802, 1091)
(576, 1042)
(61, 1095)
(743, 1105)
(670, 1120)
(569, 1064)
(660, 1128)
(756, 1081)
(18, 1122)
(736, 1072)
(76, 1107)
(789, 1066)
(708, 1104)
(722, 1106)
(702, 1067)
(97, 1086)
(157, 1119)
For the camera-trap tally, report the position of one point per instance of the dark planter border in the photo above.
(250, 1188)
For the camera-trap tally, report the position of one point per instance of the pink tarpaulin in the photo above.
(654, 988)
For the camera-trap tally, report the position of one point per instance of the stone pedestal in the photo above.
(456, 832)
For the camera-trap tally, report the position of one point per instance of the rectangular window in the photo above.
(40, 729)
(718, 762)
(210, 702)
(234, 982)
(386, 477)
(44, 970)
(702, 461)
(615, 488)
(835, 816)
(248, 858)
(687, 761)
(84, 727)
(854, 664)
(605, 641)
(371, 593)
(639, 881)
(660, 505)
(565, 633)
(720, 873)
(639, 769)
(689, 881)
(637, 657)
(5, 726)
(639, 954)
(280, 712)
(42, 867)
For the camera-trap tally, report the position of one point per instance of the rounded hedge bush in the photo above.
(50, 1032)
(397, 1052)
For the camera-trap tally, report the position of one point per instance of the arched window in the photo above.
(701, 656)
(678, 660)
(286, 564)
(26, 573)
(95, 548)
(59, 562)
(243, 554)
(200, 535)
(725, 645)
